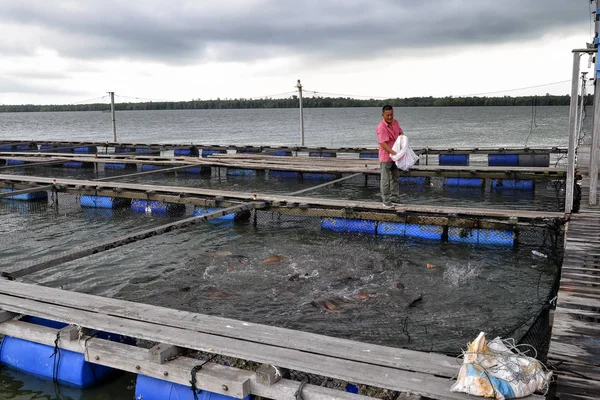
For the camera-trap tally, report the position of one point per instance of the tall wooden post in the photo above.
(596, 126)
(299, 86)
(112, 112)
(572, 133)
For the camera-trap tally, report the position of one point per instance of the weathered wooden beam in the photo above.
(163, 352)
(25, 191)
(81, 252)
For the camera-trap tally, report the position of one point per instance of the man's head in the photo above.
(387, 113)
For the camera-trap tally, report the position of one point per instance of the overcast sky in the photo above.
(62, 52)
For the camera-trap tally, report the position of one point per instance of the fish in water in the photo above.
(397, 285)
(185, 289)
(218, 294)
(272, 259)
(431, 266)
(363, 295)
(329, 304)
(416, 301)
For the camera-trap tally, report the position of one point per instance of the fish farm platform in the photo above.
(274, 350)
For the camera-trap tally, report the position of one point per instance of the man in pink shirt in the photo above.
(388, 131)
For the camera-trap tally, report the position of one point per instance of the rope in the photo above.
(56, 365)
(298, 394)
(193, 381)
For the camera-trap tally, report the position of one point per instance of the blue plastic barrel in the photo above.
(78, 164)
(280, 153)
(149, 388)
(151, 167)
(481, 236)
(334, 224)
(514, 184)
(15, 162)
(321, 154)
(414, 180)
(391, 228)
(26, 147)
(103, 201)
(197, 170)
(319, 177)
(207, 210)
(188, 152)
(349, 225)
(241, 172)
(464, 182)
(534, 160)
(157, 207)
(47, 147)
(207, 152)
(35, 196)
(7, 147)
(143, 150)
(503, 160)
(68, 367)
(283, 174)
(361, 225)
(454, 159)
(368, 155)
(429, 232)
(119, 166)
(122, 150)
(86, 150)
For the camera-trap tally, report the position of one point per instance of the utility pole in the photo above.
(299, 86)
(596, 127)
(573, 116)
(112, 112)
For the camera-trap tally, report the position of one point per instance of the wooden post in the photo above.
(299, 86)
(572, 133)
(593, 172)
(594, 146)
(112, 112)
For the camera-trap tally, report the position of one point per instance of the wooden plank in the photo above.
(433, 363)
(133, 359)
(576, 299)
(25, 191)
(573, 386)
(570, 353)
(81, 252)
(352, 371)
(311, 201)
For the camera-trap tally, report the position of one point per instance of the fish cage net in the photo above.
(409, 280)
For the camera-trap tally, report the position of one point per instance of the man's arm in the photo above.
(387, 148)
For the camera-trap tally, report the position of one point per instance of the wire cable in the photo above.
(271, 95)
(514, 90)
(348, 95)
(85, 101)
(144, 98)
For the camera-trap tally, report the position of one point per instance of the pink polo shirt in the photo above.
(387, 134)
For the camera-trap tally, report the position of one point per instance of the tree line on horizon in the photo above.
(307, 102)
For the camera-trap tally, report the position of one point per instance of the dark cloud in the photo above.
(191, 31)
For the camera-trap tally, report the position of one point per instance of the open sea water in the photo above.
(287, 271)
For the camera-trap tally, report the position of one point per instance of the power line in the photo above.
(271, 95)
(85, 101)
(347, 95)
(514, 90)
(144, 98)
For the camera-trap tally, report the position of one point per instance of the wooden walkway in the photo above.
(323, 165)
(182, 194)
(574, 353)
(405, 371)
